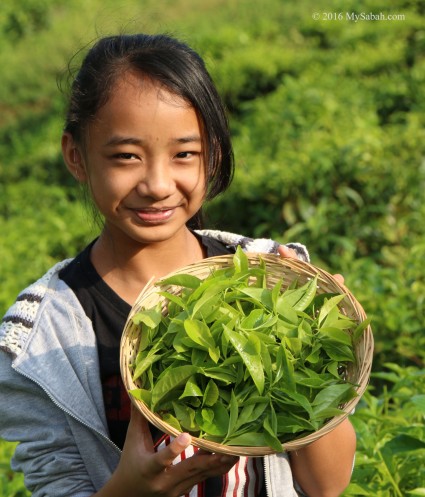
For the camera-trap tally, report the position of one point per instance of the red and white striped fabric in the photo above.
(245, 479)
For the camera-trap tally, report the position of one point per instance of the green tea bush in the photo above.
(328, 121)
(40, 226)
(22, 17)
(11, 484)
(391, 436)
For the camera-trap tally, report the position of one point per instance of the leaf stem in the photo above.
(390, 476)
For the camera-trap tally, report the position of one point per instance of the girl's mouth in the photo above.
(155, 216)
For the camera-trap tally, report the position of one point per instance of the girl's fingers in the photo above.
(286, 252)
(165, 457)
(200, 467)
(159, 472)
(339, 278)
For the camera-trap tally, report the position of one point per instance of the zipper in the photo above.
(266, 480)
(110, 442)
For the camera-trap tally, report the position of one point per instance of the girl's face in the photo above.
(143, 161)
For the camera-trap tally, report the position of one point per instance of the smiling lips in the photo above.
(154, 216)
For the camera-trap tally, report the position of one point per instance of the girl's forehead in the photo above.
(144, 108)
(138, 86)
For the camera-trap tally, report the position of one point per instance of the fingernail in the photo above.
(184, 438)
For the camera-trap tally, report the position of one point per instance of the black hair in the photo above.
(174, 65)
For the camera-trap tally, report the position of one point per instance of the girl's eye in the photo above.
(185, 155)
(126, 156)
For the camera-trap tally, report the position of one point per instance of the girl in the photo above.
(147, 133)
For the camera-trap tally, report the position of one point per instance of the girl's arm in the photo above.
(323, 468)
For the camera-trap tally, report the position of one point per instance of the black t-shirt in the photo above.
(108, 312)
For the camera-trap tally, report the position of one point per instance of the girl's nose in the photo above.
(157, 180)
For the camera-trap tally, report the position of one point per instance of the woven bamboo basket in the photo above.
(289, 269)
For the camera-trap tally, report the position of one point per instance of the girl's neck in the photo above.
(127, 268)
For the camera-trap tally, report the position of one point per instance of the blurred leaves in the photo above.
(328, 122)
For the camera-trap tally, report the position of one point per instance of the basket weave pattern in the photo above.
(289, 269)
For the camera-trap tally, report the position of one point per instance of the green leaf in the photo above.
(184, 280)
(213, 284)
(145, 363)
(249, 350)
(359, 330)
(309, 290)
(419, 401)
(328, 306)
(245, 415)
(170, 381)
(213, 420)
(260, 296)
(355, 490)
(198, 357)
(286, 310)
(185, 416)
(402, 444)
(291, 398)
(176, 324)
(249, 439)
(141, 394)
(300, 298)
(314, 356)
(267, 361)
(285, 369)
(149, 317)
(254, 320)
(240, 260)
(211, 394)
(276, 290)
(214, 353)
(336, 350)
(336, 335)
(288, 422)
(333, 396)
(199, 332)
(206, 305)
(327, 413)
(233, 416)
(221, 374)
(191, 389)
(174, 298)
(172, 421)
(270, 436)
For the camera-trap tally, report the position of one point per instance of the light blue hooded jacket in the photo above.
(51, 394)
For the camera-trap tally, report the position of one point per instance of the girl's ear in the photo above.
(73, 158)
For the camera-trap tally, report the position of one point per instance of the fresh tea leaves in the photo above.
(236, 362)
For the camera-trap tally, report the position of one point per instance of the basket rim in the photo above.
(299, 268)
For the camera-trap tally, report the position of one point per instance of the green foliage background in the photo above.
(328, 122)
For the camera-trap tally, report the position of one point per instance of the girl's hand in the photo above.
(288, 252)
(142, 471)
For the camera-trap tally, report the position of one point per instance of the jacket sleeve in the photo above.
(260, 245)
(279, 479)
(46, 453)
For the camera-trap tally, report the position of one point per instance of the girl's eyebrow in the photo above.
(123, 140)
(129, 140)
(187, 139)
